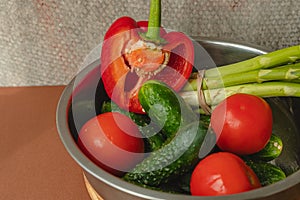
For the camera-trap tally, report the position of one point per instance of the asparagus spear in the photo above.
(272, 74)
(264, 61)
(267, 89)
(287, 72)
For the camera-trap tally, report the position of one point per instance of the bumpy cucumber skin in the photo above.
(267, 173)
(173, 159)
(152, 141)
(165, 107)
(271, 151)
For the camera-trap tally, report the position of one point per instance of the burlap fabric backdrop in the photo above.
(44, 42)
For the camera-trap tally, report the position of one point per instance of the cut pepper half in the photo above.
(127, 61)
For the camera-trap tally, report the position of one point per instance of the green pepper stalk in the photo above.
(268, 75)
(154, 24)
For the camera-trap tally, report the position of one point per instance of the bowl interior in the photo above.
(83, 97)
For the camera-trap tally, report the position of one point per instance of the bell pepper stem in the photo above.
(154, 23)
(154, 20)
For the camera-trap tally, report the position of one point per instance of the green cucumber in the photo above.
(271, 151)
(139, 119)
(267, 173)
(173, 159)
(205, 119)
(181, 183)
(165, 107)
(153, 138)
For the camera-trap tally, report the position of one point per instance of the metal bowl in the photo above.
(83, 96)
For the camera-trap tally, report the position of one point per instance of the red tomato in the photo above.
(112, 141)
(220, 174)
(242, 123)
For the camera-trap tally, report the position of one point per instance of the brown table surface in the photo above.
(33, 161)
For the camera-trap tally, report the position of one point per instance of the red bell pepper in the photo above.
(134, 52)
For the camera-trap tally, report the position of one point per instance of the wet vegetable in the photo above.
(222, 173)
(242, 123)
(112, 141)
(173, 159)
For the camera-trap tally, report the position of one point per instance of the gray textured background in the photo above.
(44, 42)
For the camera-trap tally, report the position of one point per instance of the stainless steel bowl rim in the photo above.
(119, 184)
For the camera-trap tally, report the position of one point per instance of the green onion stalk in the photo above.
(268, 75)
